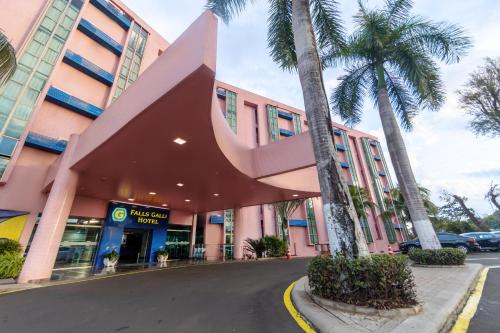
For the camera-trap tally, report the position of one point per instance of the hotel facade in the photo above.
(111, 138)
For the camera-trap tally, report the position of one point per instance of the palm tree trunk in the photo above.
(402, 168)
(480, 224)
(344, 230)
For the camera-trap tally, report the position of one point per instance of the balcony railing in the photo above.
(113, 13)
(285, 115)
(88, 68)
(67, 101)
(46, 143)
(100, 37)
(286, 132)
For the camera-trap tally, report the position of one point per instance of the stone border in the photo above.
(438, 266)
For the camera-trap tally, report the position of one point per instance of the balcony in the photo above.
(340, 147)
(373, 143)
(221, 93)
(377, 158)
(285, 115)
(100, 37)
(112, 12)
(67, 101)
(344, 165)
(88, 68)
(297, 223)
(337, 132)
(387, 190)
(382, 174)
(285, 132)
(45, 143)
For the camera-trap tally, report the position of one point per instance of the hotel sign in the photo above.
(120, 213)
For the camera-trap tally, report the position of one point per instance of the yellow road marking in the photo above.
(287, 299)
(463, 320)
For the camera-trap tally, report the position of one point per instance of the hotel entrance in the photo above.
(135, 246)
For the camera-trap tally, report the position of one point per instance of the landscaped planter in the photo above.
(162, 258)
(110, 263)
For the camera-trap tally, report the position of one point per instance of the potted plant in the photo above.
(110, 259)
(162, 256)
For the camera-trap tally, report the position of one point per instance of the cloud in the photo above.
(492, 173)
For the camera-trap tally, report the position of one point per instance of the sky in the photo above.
(444, 153)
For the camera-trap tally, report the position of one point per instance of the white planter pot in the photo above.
(110, 263)
(162, 259)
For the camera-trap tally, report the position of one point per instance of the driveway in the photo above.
(235, 297)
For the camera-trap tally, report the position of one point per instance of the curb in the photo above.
(287, 300)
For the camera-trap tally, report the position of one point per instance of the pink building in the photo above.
(113, 139)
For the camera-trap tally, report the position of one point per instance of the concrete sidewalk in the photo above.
(442, 293)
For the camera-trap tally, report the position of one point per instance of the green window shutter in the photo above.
(366, 230)
(311, 222)
(272, 122)
(352, 167)
(35, 65)
(231, 110)
(228, 233)
(297, 125)
(379, 191)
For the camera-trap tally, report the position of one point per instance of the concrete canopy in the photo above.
(129, 151)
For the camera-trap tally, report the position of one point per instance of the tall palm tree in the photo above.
(7, 59)
(298, 30)
(391, 56)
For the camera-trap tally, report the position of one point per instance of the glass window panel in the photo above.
(48, 24)
(140, 47)
(5, 105)
(118, 92)
(41, 36)
(132, 77)
(3, 165)
(54, 13)
(60, 4)
(72, 13)
(23, 112)
(56, 45)
(126, 62)
(45, 68)
(121, 82)
(50, 56)
(30, 96)
(133, 40)
(15, 128)
(3, 119)
(129, 54)
(35, 48)
(21, 74)
(124, 71)
(67, 22)
(7, 146)
(135, 67)
(137, 28)
(28, 60)
(12, 90)
(62, 32)
(37, 82)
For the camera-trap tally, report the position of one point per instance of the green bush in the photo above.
(112, 256)
(447, 256)
(9, 245)
(11, 264)
(275, 247)
(379, 281)
(255, 246)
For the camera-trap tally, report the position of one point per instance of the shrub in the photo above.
(112, 256)
(9, 245)
(11, 264)
(275, 247)
(162, 253)
(256, 246)
(447, 256)
(380, 281)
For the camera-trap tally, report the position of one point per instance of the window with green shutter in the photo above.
(272, 122)
(311, 222)
(231, 110)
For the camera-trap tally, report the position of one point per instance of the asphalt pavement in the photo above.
(235, 297)
(486, 319)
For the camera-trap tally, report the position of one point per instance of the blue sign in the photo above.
(119, 214)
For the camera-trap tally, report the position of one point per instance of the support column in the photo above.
(239, 232)
(28, 229)
(192, 242)
(43, 251)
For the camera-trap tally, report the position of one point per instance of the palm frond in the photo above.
(7, 59)
(397, 10)
(226, 9)
(328, 25)
(347, 97)
(445, 41)
(402, 101)
(280, 35)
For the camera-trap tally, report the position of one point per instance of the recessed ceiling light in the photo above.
(152, 193)
(216, 194)
(187, 200)
(131, 199)
(164, 205)
(180, 141)
(295, 195)
(180, 184)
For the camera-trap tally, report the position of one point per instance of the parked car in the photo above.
(486, 240)
(466, 244)
(496, 232)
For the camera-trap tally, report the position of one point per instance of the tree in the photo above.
(480, 98)
(493, 194)
(390, 57)
(7, 59)
(298, 30)
(283, 210)
(361, 200)
(455, 209)
(493, 220)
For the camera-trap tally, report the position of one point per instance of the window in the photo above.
(7, 146)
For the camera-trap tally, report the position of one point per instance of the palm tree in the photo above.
(7, 59)
(390, 57)
(283, 211)
(361, 201)
(297, 31)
